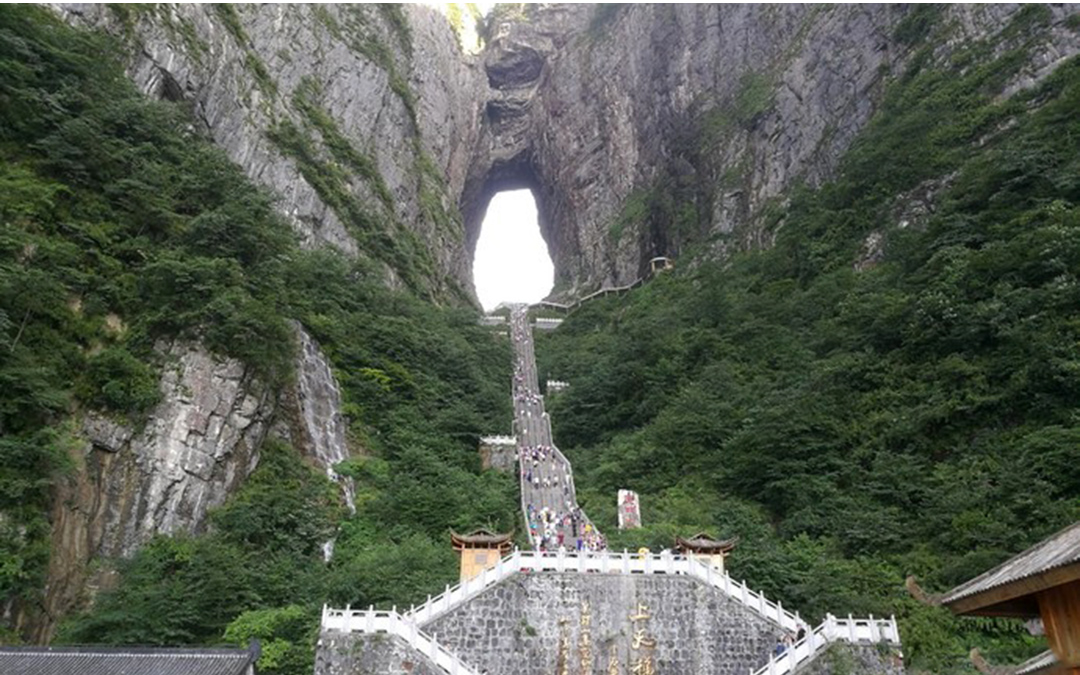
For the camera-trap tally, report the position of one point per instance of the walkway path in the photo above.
(548, 499)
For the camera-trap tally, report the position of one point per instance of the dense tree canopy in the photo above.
(855, 423)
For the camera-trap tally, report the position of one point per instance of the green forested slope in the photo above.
(852, 427)
(119, 226)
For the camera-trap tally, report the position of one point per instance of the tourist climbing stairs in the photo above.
(548, 498)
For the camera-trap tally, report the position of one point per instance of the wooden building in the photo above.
(1042, 582)
(702, 545)
(480, 550)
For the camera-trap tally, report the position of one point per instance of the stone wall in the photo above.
(356, 654)
(515, 627)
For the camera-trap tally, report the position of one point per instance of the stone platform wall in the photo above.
(516, 627)
(360, 654)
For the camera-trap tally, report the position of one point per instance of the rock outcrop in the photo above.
(197, 447)
(316, 425)
(361, 119)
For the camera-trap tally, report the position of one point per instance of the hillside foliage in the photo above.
(123, 228)
(858, 415)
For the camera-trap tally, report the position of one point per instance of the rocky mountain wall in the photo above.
(197, 446)
(646, 128)
(641, 129)
(360, 119)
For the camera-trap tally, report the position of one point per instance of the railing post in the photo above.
(434, 647)
(745, 593)
(727, 583)
(625, 562)
(779, 612)
(347, 616)
(446, 598)
(874, 634)
(708, 574)
(851, 627)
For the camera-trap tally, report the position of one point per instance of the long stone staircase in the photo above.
(547, 480)
(572, 576)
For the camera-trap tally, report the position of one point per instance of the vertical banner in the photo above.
(629, 513)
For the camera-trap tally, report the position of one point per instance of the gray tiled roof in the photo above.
(123, 661)
(1059, 550)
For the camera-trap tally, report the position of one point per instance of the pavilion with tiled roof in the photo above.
(480, 550)
(127, 661)
(702, 545)
(1042, 582)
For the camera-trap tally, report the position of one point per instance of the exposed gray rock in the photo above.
(190, 53)
(320, 430)
(721, 107)
(197, 447)
(106, 434)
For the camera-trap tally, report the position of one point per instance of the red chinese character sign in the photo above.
(629, 511)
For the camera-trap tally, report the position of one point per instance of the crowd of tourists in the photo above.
(554, 520)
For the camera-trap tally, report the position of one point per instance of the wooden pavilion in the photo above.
(701, 545)
(1042, 582)
(480, 550)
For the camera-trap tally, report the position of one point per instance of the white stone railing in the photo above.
(545, 323)
(608, 290)
(498, 440)
(852, 630)
(556, 385)
(369, 621)
(605, 563)
(492, 320)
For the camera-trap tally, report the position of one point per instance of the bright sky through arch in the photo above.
(511, 262)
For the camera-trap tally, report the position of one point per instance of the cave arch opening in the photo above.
(511, 260)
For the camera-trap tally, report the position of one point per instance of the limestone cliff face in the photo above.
(196, 448)
(314, 422)
(361, 120)
(606, 112)
(198, 445)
